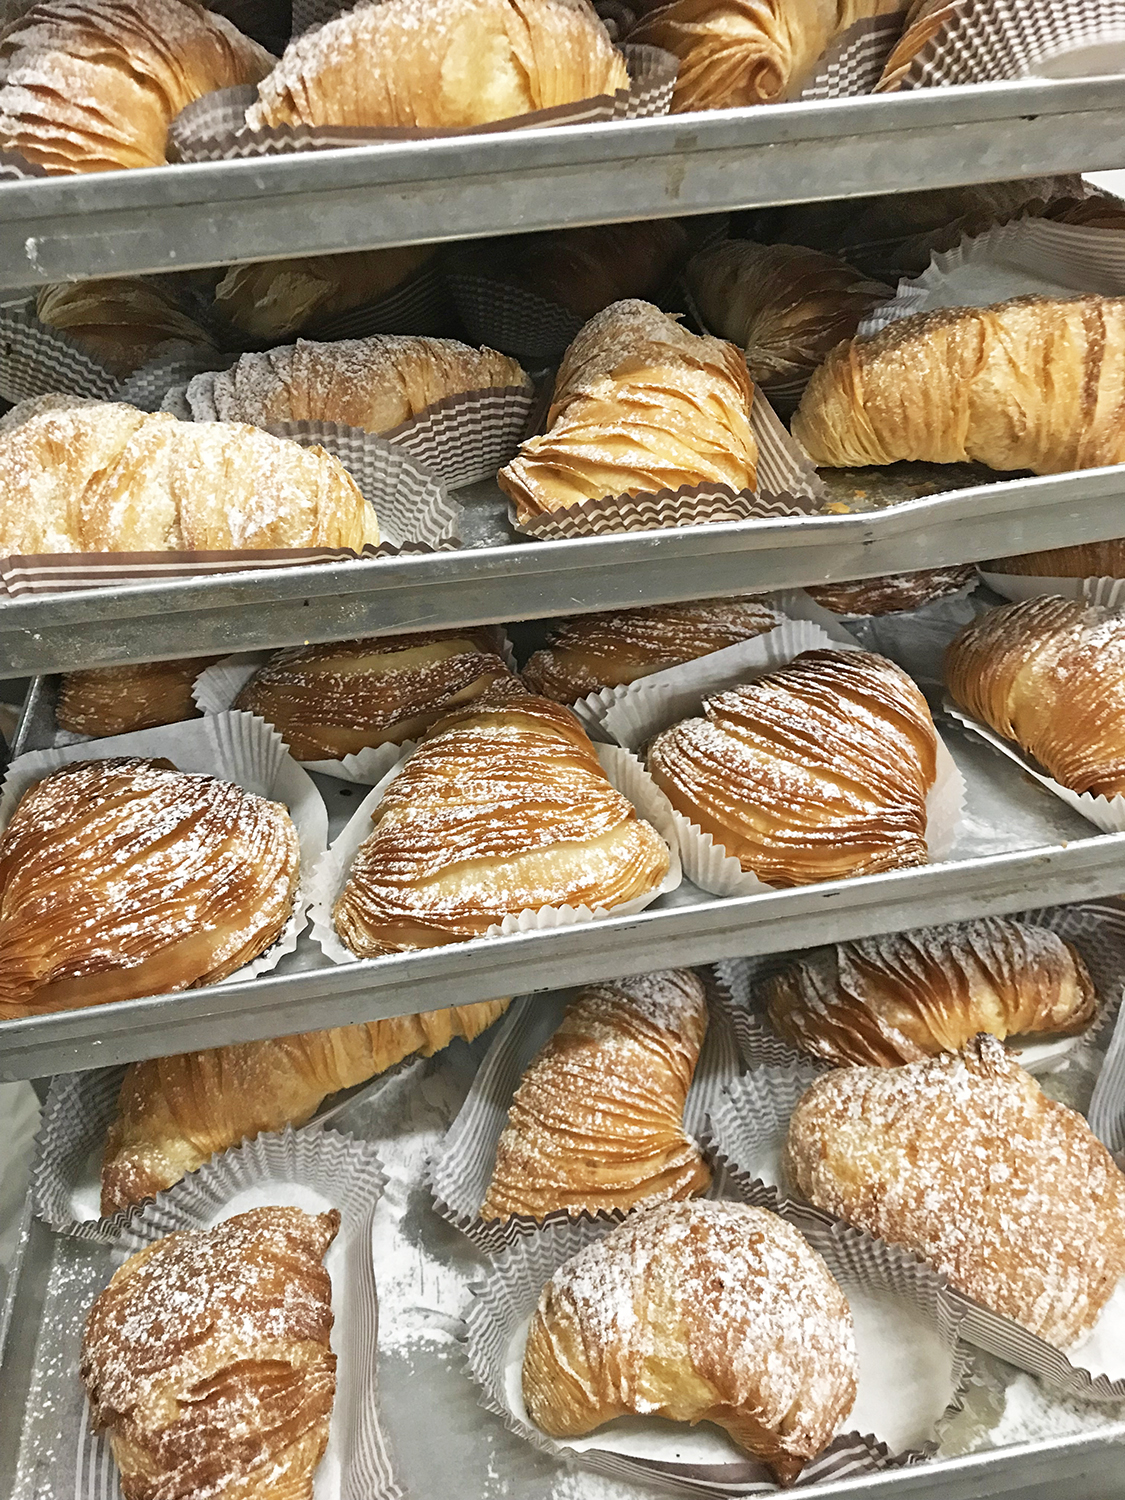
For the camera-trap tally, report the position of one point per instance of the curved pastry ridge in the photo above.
(1085, 560)
(893, 592)
(117, 700)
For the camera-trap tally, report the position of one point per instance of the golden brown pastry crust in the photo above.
(893, 592)
(335, 700)
(1036, 383)
(503, 808)
(963, 1159)
(597, 1121)
(207, 1358)
(126, 877)
(640, 405)
(110, 478)
(816, 771)
(467, 62)
(884, 1001)
(1085, 560)
(699, 1312)
(123, 322)
(173, 1113)
(589, 652)
(92, 85)
(118, 700)
(1048, 674)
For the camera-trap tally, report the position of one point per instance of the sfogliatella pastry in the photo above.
(893, 592)
(375, 384)
(964, 1160)
(1048, 673)
(1034, 383)
(586, 653)
(467, 62)
(126, 877)
(119, 700)
(816, 771)
(502, 809)
(110, 478)
(882, 1001)
(597, 1121)
(207, 1359)
(640, 405)
(122, 323)
(1084, 560)
(92, 85)
(699, 1312)
(35, 406)
(338, 699)
(173, 1113)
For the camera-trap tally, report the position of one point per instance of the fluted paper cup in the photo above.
(1109, 592)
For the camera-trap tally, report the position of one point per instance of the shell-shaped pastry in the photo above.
(467, 62)
(119, 700)
(126, 877)
(207, 1358)
(338, 699)
(816, 771)
(503, 808)
(699, 1312)
(1048, 674)
(640, 405)
(1084, 560)
(597, 1121)
(964, 1160)
(893, 592)
(586, 653)
(905, 996)
(122, 323)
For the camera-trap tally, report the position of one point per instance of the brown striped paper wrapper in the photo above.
(15, 167)
(853, 64)
(512, 319)
(460, 1171)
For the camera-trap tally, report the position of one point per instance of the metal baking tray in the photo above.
(1018, 847)
(172, 218)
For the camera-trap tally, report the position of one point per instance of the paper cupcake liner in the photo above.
(901, 1321)
(532, 329)
(460, 1170)
(854, 63)
(14, 167)
(748, 1132)
(421, 304)
(1108, 592)
(626, 774)
(310, 13)
(315, 1171)
(214, 128)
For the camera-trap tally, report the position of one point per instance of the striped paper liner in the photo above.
(15, 167)
(459, 1172)
(853, 64)
(512, 319)
(421, 304)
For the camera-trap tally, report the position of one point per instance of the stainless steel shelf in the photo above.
(165, 218)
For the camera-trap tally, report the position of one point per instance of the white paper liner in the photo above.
(460, 1170)
(626, 774)
(235, 747)
(315, 1172)
(916, 638)
(1109, 592)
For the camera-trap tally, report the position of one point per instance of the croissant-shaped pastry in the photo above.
(174, 1113)
(699, 1312)
(119, 700)
(893, 592)
(503, 808)
(1048, 674)
(465, 62)
(883, 1001)
(586, 653)
(92, 85)
(640, 405)
(338, 699)
(207, 1358)
(1034, 383)
(597, 1121)
(110, 478)
(1084, 560)
(126, 877)
(964, 1160)
(816, 771)
(122, 323)
(375, 384)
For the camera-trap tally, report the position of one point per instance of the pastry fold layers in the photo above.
(121, 322)
(1084, 560)
(892, 592)
(118, 700)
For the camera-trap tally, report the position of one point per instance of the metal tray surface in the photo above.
(172, 218)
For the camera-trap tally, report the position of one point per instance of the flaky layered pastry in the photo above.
(816, 771)
(126, 877)
(883, 1001)
(375, 384)
(207, 1359)
(35, 406)
(588, 652)
(118, 700)
(92, 85)
(1085, 560)
(338, 699)
(110, 478)
(1048, 674)
(1036, 383)
(597, 1121)
(465, 62)
(173, 1113)
(640, 405)
(123, 323)
(964, 1160)
(503, 808)
(893, 592)
(699, 1312)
